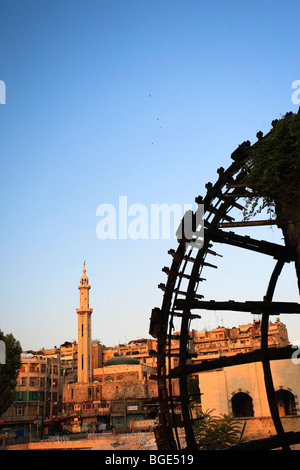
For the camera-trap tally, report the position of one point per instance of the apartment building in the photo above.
(37, 394)
(140, 349)
(223, 341)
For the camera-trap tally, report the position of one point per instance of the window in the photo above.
(33, 382)
(24, 381)
(88, 406)
(20, 411)
(20, 396)
(242, 405)
(285, 402)
(33, 396)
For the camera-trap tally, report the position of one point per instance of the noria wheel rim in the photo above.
(181, 298)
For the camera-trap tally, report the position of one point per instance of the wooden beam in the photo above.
(254, 223)
(268, 443)
(257, 355)
(255, 307)
(248, 243)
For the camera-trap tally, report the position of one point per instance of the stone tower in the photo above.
(84, 331)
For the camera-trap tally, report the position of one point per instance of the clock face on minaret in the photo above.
(84, 313)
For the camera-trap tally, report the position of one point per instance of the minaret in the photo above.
(84, 331)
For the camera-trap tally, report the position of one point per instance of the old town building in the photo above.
(120, 392)
(240, 390)
(223, 341)
(37, 395)
(113, 385)
(85, 385)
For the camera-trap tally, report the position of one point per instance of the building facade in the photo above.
(121, 391)
(113, 384)
(240, 390)
(37, 395)
(223, 341)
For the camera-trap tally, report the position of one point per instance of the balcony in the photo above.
(103, 411)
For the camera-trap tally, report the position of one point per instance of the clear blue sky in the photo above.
(79, 129)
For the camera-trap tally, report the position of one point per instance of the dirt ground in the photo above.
(126, 443)
(134, 441)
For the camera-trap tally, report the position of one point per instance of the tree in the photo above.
(9, 371)
(273, 173)
(193, 389)
(216, 432)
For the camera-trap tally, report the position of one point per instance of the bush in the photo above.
(273, 168)
(216, 432)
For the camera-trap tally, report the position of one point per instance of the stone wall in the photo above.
(112, 390)
(219, 386)
(263, 427)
